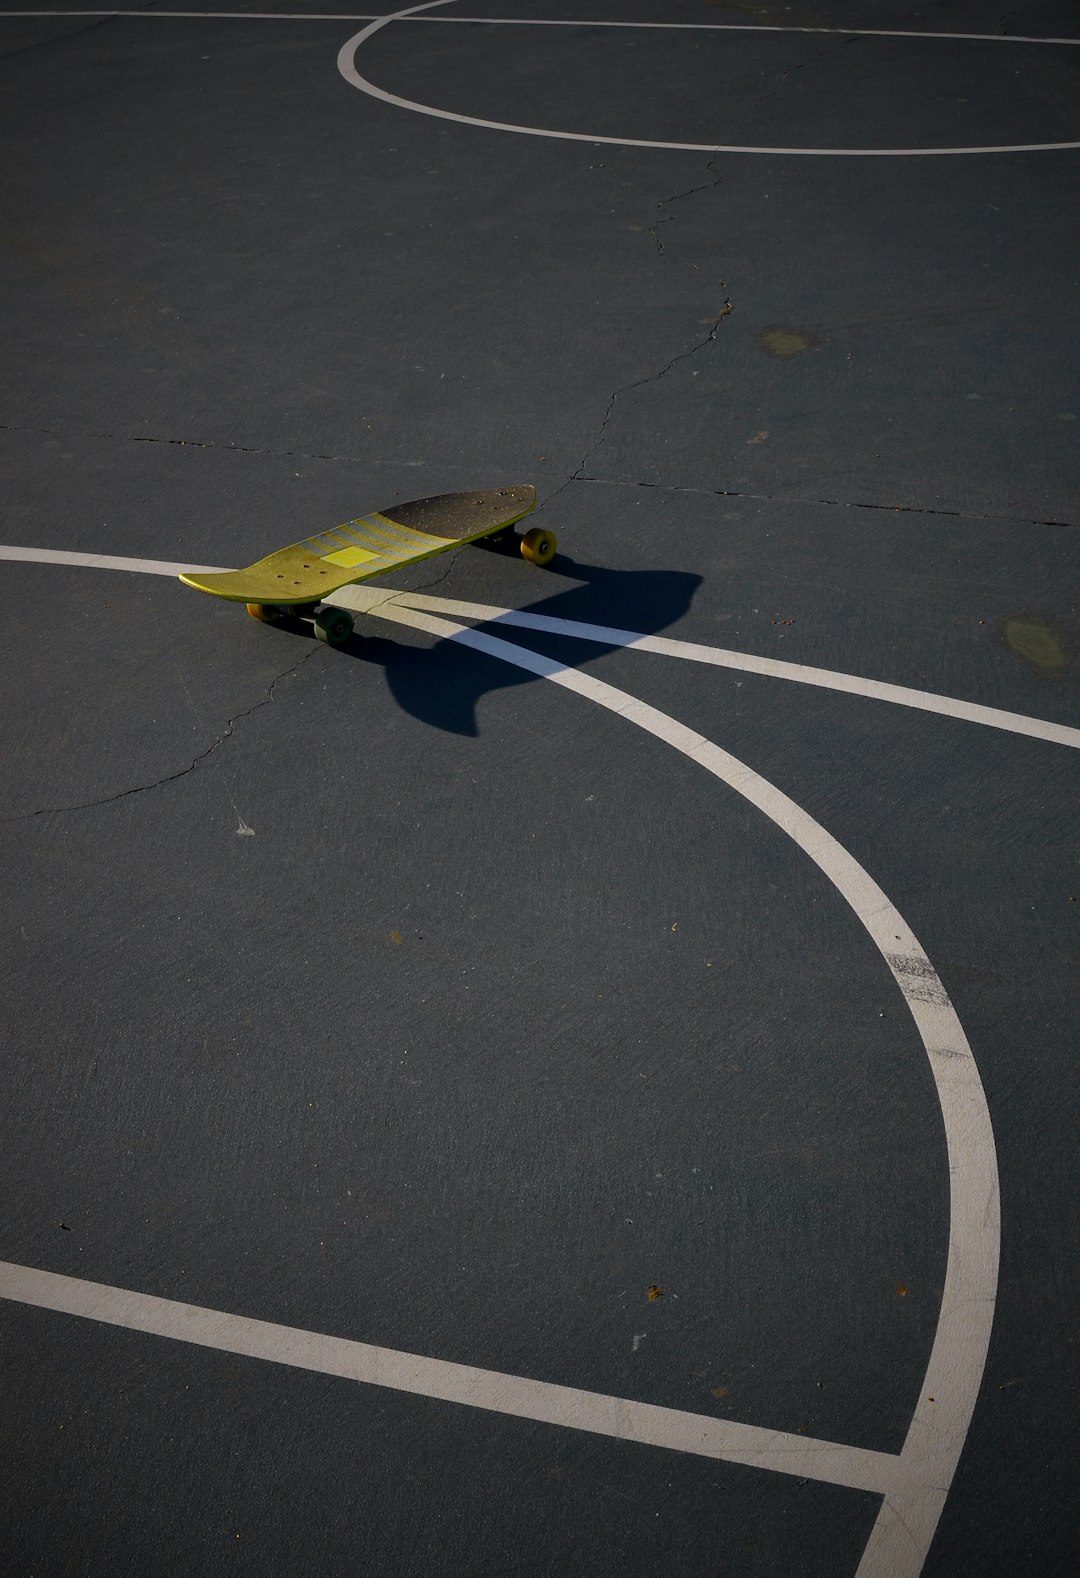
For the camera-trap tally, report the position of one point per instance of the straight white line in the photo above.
(102, 561)
(210, 16)
(583, 22)
(750, 27)
(904, 1528)
(565, 1406)
(358, 599)
(347, 67)
(227, 16)
(362, 599)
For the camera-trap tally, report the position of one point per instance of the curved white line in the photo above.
(910, 1510)
(365, 599)
(347, 68)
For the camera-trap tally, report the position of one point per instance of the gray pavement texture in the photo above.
(394, 994)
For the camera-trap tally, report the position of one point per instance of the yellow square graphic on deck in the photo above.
(349, 558)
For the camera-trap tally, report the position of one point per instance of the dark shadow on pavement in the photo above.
(441, 685)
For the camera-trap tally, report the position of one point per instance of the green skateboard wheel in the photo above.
(334, 626)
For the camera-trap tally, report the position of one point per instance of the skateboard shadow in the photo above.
(442, 684)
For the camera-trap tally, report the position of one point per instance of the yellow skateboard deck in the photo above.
(371, 545)
(295, 580)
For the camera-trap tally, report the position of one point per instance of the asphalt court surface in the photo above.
(397, 996)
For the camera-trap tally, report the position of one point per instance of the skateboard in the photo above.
(294, 581)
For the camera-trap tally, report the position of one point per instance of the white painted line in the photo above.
(913, 1485)
(347, 67)
(745, 27)
(910, 1511)
(101, 561)
(564, 1406)
(581, 22)
(357, 598)
(367, 599)
(219, 16)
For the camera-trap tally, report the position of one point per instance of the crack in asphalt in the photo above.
(667, 220)
(1003, 20)
(198, 443)
(763, 98)
(652, 378)
(74, 32)
(797, 498)
(578, 474)
(57, 38)
(677, 197)
(123, 794)
(453, 556)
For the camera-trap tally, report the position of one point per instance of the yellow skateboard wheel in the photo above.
(264, 611)
(538, 546)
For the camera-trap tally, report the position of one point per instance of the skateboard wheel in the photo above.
(264, 611)
(334, 626)
(504, 541)
(538, 546)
